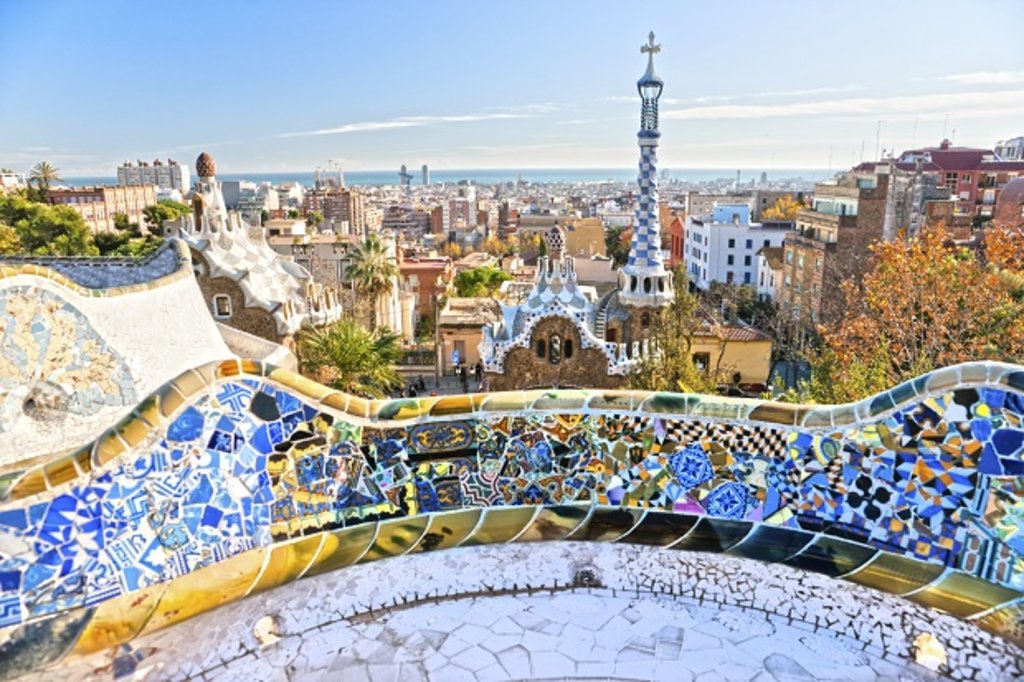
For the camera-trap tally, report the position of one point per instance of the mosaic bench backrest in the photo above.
(238, 477)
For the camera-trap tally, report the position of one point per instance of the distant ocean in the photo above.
(491, 176)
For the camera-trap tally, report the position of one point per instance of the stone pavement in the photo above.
(519, 611)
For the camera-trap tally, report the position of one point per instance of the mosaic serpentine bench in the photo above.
(235, 478)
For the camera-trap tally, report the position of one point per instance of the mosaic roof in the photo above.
(107, 272)
(232, 248)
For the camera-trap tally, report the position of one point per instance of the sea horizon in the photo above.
(490, 176)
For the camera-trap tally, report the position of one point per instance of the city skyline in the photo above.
(462, 86)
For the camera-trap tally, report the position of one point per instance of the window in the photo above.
(746, 278)
(817, 263)
(732, 243)
(222, 306)
(767, 243)
(800, 261)
(568, 349)
(966, 177)
(701, 361)
(746, 260)
(789, 280)
(729, 277)
(729, 259)
(542, 348)
(645, 320)
(750, 243)
(555, 349)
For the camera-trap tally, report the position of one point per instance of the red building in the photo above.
(428, 277)
(677, 239)
(973, 176)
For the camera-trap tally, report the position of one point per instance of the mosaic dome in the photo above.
(206, 167)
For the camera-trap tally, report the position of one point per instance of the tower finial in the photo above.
(651, 48)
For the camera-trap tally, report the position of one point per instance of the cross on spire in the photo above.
(651, 48)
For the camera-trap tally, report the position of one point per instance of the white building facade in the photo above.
(166, 176)
(723, 246)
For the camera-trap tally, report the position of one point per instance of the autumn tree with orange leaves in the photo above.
(925, 304)
(784, 208)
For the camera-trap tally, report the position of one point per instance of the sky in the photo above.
(269, 86)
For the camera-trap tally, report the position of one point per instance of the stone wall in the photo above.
(255, 321)
(524, 368)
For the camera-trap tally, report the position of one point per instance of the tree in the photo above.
(121, 222)
(42, 175)
(926, 304)
(373, 272)
(314, 218)
(784, 209)
(739, 302)
(10, 244)
(45, 230)
(616, 245)
(670, 367)
(351, 358)
(293, 214)
(163, 209)
(480, 282)
(452, 250)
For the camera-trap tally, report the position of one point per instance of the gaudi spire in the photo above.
(644, 280)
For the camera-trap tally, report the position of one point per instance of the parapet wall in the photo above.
(236, 478)
(84, 340)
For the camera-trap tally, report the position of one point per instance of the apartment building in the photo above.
(99, 205)
(167, 176)
(723, 246)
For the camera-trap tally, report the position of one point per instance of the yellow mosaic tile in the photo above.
(964, 595)
(288, 561)
(119, 620)
(452, 405)
(395, 537)
(206, 588)
(448, 529)
(107, 448)
(501, 524)
(555, 523)
(342, 548)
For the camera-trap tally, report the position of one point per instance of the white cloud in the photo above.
(707, 99)
(1008, 102)
(986, 78)
(525, 111)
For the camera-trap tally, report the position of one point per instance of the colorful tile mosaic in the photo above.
(258, 473)
(52, 361)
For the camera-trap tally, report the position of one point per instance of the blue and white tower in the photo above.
(644, 281)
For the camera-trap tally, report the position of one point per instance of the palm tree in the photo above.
(372, 271)
(44, 173)
(351, 358)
